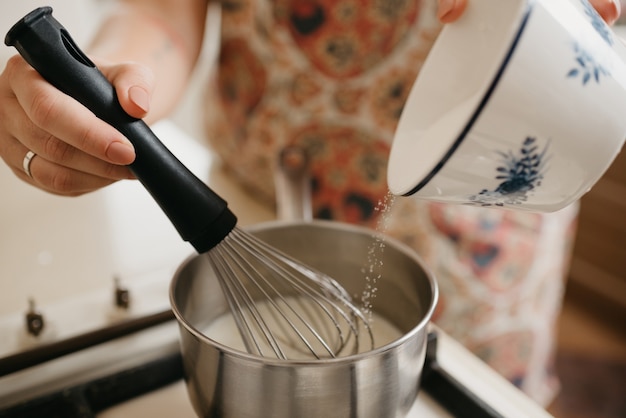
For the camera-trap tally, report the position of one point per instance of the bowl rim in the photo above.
(421, 326)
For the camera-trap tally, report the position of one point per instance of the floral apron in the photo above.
(332, 76)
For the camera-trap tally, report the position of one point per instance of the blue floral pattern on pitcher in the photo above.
(520, 173)
(597, 22)
(587, 66)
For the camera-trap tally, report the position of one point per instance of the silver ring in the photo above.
(28, 158)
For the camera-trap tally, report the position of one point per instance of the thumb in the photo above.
(609, 9)
(134, 84)
(450, 10)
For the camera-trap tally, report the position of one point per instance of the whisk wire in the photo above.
(274, 297)
(326, 296)
(247, 266)
(327, 284)
(241, 304)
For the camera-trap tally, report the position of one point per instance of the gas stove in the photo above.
(84, 312)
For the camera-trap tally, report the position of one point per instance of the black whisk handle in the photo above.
(198, 213)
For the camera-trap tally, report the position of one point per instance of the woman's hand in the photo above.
(450, 10)
(74, 151)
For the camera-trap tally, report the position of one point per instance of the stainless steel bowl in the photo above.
(224, 382)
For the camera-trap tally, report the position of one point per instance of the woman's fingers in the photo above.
(75, 151)
(133, 85)
(78, 175)
(63, 117)
(61, 180)
(53, 177)
(450, 10)
(609, 9)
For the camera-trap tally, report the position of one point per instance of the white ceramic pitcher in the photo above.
(520, 104)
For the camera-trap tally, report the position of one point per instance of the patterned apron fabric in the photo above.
(332, 76)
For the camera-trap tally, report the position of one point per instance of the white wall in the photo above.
(80, 17)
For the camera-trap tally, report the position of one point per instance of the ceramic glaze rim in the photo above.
(406, 173)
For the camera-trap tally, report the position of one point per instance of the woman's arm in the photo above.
(163, 36)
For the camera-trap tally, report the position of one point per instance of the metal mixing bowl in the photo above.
(224, 382)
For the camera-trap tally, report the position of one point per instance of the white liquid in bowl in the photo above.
(224, 330)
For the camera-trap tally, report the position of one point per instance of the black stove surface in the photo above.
(87, 399)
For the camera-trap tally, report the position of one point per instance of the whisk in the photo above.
(281, 307)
